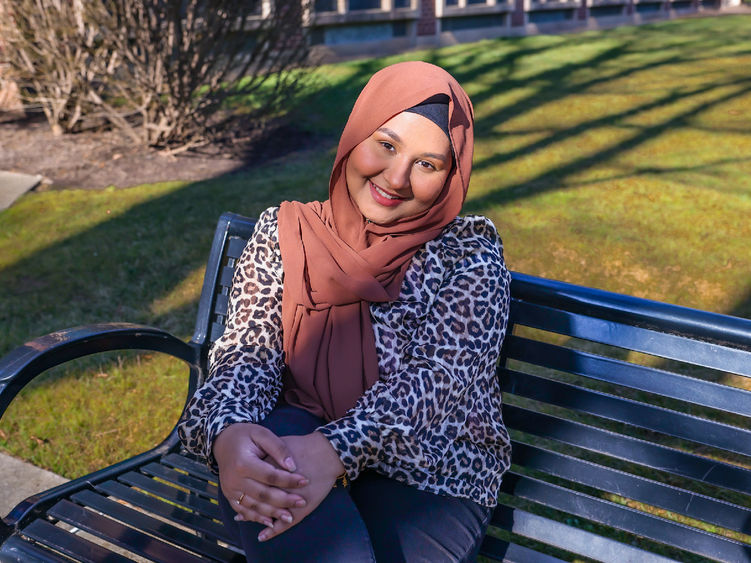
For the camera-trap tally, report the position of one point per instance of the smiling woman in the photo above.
(352, 410)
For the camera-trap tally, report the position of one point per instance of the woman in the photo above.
(351, 411)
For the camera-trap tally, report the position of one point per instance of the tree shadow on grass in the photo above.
(555, 178)
(743, 309)
(120, 268)
(142, 265)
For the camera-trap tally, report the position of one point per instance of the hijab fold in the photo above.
(336, 263)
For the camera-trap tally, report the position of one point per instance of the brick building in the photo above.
(353, 27)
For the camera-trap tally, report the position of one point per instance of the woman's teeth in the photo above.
(384, 194)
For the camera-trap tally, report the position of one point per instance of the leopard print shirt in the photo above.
(433, 419)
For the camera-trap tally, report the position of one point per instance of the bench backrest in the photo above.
(629, 418)
(630, 421)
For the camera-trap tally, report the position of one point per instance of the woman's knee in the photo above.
(406, 524)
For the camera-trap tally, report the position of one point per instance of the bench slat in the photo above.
(197, 486)
(569, 538)
(16, 548)
(662, 344)
(152, 526)
(652, 380)
(663, 317)
(222, 304)
(642, 415)
(190, 466)
(630, 486)
(217, 329)
(226, 275)
(119, 534)
(181, 498)
(70, 544)
(628, 448)
(624, 518)
(166, 510)
(513, 553)
(235, 246)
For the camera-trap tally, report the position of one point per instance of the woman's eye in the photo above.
(388, 146)
(425, 164)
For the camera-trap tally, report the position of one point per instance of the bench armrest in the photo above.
(22, 365)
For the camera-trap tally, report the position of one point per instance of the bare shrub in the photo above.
(162, 71)
(10, 98)
(51, 52)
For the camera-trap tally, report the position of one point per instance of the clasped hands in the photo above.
(274, 480)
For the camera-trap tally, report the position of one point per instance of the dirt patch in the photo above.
(98, 159)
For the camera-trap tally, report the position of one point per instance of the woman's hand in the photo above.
(255, 468)
(317, 459)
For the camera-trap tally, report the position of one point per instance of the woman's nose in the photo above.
(397, 174)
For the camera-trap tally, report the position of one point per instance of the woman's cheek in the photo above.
(427, 190)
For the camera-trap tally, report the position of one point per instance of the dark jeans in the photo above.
(375, 518)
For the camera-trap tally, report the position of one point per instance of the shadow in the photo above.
(743, 309)
(123, 266)
(702, 169)
(119, 268)
(554, 179)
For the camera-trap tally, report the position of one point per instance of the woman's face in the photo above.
(399, 170)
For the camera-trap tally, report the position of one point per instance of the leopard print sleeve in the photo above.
(433, 418)
(246, 362)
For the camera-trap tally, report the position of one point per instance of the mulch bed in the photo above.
(98, 159)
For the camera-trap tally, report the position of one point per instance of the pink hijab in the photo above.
(336, 264)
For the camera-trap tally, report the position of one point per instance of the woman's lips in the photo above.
(382, 197)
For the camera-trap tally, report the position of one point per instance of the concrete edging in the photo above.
(14, 184)
(20, 480)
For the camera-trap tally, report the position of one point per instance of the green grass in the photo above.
(618, 159)
(76, 257)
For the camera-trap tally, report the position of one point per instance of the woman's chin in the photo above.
(379, 215)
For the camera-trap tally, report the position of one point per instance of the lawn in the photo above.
(618, 159)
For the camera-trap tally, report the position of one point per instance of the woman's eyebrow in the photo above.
(391, 133)
(441, 157)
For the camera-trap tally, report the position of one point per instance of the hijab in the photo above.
(336, 262)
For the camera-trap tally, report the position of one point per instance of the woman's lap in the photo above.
(375, 514)
(333, 532)
(406, 524)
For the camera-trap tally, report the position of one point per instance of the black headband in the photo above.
(436, 109)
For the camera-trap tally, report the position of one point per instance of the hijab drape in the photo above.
(336, 264)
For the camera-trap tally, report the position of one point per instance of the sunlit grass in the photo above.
(138, 254)
(617, 159)
(86, 415)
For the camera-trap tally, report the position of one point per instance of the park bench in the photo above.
(629, 420)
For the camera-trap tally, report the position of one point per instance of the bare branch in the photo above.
(162, 71)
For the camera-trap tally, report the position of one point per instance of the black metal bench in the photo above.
(629, 417)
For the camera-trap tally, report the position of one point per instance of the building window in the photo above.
(325, 6)
(364, 5)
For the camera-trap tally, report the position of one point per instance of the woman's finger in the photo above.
(274, 447)
(277, 527)
(251, 516)
(266, 501)
(273, 496)
(257, 513)
(266, 473)
(249, 509)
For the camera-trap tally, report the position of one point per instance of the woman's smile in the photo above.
(400, 170)
(383, 197)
